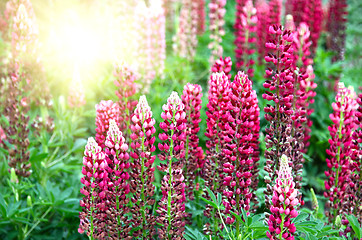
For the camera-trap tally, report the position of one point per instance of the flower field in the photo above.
(180, 119)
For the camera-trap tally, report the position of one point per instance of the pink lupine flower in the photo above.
(245, 35)
(105, 111)
(127, 88)
(262, 10)
(186, 38)
(94, 182)
(283, 204)
(2, 135)
(222, 65)
(275, 10)
(194, 155)
(200, 16)
(142, 171)
(289, 23)
(216, 131)
(171, 208)
(301, 45)
(242, 147)
(117, 183)
(340, 151)
(280, 87)
(76, 97)
(336, 27)
(217, 22)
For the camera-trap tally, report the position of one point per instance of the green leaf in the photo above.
(355, 225)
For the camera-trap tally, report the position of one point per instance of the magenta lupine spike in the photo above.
(301, 45)
(201, 15)
(217, 129)
(289, 23)
(242, 148)
(280, 90)
(340, 152)
(186, 38)
(105, 111)
(223, 65)
(336, 27)
(274, 14)
(283, 204)
(356, 187)
(94, 191)
(116, 205)
(194, 155)
(171, 208)
(217, 22)
(262, 10)
(245, 35)
(2, 135)
(127, 88)
(142, 171)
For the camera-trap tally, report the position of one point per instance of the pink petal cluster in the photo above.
(284, 202)
(274, 14)
(222, 65)
(105, 111)
(242, 147)
(142, 171)
(127, 88)
(280, 85)
(336, 28)
(186, 38)
(262, 10)
(245, 35)
(194, 155)
(340, 151)
(2, 135)
(217, 22)
(172, 213)
(151, 43)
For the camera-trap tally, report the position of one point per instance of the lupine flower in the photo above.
(262, 10)
(201, 16)
(289, 23)
(222, 65)
(242, 148)
(217, 118)
(301, 45)
(194, 155)
(336, 27)
(76, 97)
(281, 89)
(216, 15)
(171, 208)
(126, 83)
(15, 110)
(105, 111)
(356, 196)
(340, 151)
(117, 184)
(283, 204)
(151, 43)
(245, 35)
(93, 190)
(186, 38)
(275, 10)
(142, 172)
(2, 135)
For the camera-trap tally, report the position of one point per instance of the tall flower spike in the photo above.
(126, 83)
(340, 152)
(222, 65)
(283, 205)
(171, 208)
(336, 27)
(217, 129)
(194, 155)
(242, 148)
(93, 190)
(142, 172)
(262, 10)
(200, 16)
(280, 87)
(245, 35)
(217, 22)
(274, 15)
(117, 185)
(105, 111)
(186, 39)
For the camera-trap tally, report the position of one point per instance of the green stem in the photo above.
(37, 223)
